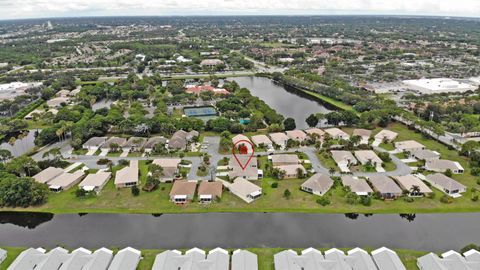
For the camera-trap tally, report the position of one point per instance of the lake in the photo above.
(286, 101)
(430, 232)
(21, 146)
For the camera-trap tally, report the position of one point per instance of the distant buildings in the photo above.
(438, 85)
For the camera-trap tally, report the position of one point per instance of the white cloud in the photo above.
(13, 9)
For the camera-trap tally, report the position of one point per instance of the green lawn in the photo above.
(265, 256)
(331, 101)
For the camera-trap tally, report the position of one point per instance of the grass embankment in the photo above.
(331, 101)
(265, 257)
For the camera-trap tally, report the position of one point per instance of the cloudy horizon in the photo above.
(11, 9)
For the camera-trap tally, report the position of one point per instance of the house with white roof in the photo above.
(244, 260)
(443, 165)
(66, 181)
(279, 139)
(318, 184)
(245, 190)
(446, 184)
(409, 146)
(357, 185)
(344, 159)
(359, 259)
(296, 135)
(126, 259)
(387, 259)
(95, 181)
(337, 133)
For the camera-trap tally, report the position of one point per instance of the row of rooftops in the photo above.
(186, 190)
(57, 179)
(355, 259)
(240, 259)
(81, 258)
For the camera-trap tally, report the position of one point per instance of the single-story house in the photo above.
(279, 139)
(362, 133)
(337, 133)
(128, 176)
(386, 135)
(126, 259)
(260, 140)
(244, 260)
(95, 181)
(111, 141)
(409, 182)
(385, 186)
(47, 175)
(387, 259)
(425, 154)
(409, 146)
(358, 186)
(315, 132)
(209, 191)
(318, 184)
(296, 135)
(284, 159)
(170, 168)
(292, 171)
(66, 181)
(94, 143)
(151, 142)
(240, 139)
(343, 159)
(134, 144)
(368, 157)
(442, 165)
(245, 190)
(57, 102)
(28, 259)
(358, 258)
(472, 255)
(181, 138)
(182, 191)
(249, 172)
(446, 184)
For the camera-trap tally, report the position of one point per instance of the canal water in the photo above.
(21, 146)
(430, 232)
(286, 101)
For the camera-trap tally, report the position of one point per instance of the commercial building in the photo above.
(438, 85)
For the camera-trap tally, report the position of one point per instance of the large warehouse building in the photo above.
(438, 85)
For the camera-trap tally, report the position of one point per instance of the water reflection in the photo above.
(28, 220)
(408, 217)
(22, 145)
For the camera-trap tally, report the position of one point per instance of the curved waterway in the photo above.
(286, 101)
(431, 232)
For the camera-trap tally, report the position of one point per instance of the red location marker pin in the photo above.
(245, 153)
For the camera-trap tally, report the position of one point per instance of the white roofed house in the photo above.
(249, 172)
(446, 184)
(385, 136)
(358, 186)
(317, 184)
(100, 260)
(359, 259)
(134, 144)
(262, 140)
(450, 260)
(94, 143)
(443, 165)
(279, 139)
(387, 259)
(284, 159)
(126, 259)
(409, 146)
(296, 135)
(244, 260)
(47, 175)
(292, 171)
(242, 140)
(368, 157)
(170, 168)
(344, 159)
(414, 185)
(425, 154)
(3, 255)
(55, 258)
(385, 186)
(315, 132)
(128, 176)
(152, 142)
(113, 141)
(364, 134)
(337, 133)
(77, 259)
(66, 181)
(245, 190)
(28, 259)
(95, 181)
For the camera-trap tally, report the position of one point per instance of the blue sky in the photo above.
(17, 9)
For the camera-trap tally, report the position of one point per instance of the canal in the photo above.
(286, 101)
(430, 232)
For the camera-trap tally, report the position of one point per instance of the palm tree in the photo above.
(415, 190)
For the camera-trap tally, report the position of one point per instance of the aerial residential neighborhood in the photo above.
(239, 135)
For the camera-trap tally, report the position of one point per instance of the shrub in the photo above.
(366, 201)
(446, 199)
(80, 193)
(475, 197)
(475, 171)
(323, 201)
(408, 199)
(449, 173)
(123, 162)
(135, 191)
(469, 247)
(275, 185)
(287, 194)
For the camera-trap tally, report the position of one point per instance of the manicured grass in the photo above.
(265, 256)
(327, 161)
(80, 151)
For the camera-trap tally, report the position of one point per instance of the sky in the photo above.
(19, 9)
